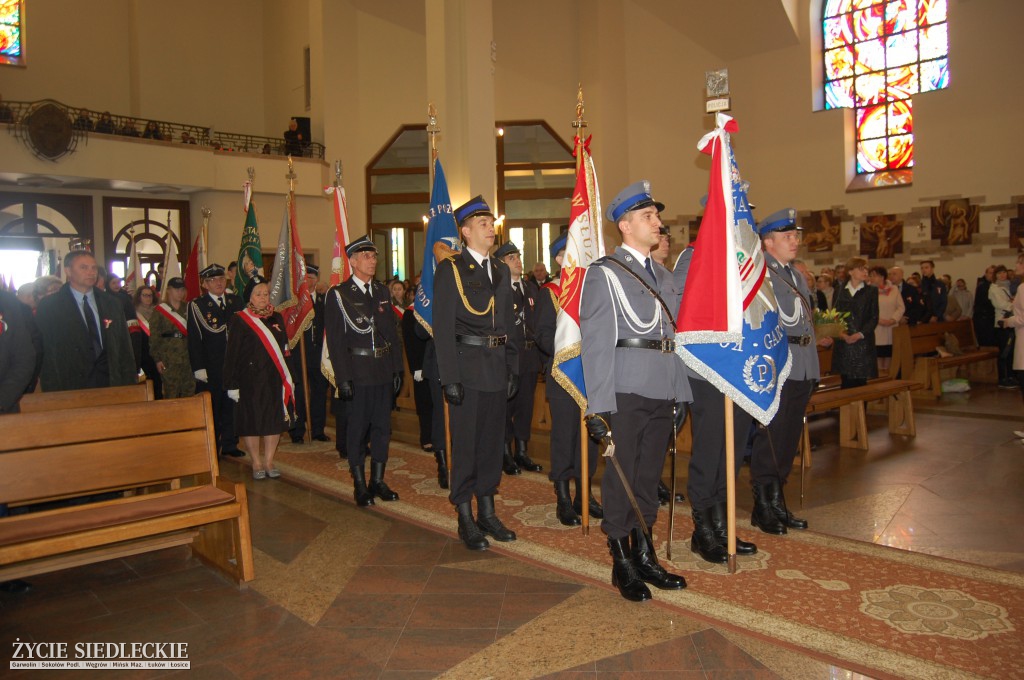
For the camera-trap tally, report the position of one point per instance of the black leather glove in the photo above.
(599, 426)
(345, 390)
(681, 412)
(397, 380)
(453, 393)
(512, 387)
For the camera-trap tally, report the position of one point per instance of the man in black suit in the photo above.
(362, 338)
(208, 317)
(477, 355)
(912, 300)
(519, 417)
(313, 341)
(85, 336)
(415, 348)
(17, 354)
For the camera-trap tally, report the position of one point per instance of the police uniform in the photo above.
(362, 339)
(207, 343)
(775, 446)
(633, 377)
(313, 340)
(477, 356)
(565, 446)
(519, 416)
(168, 344)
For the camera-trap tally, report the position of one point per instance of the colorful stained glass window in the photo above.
(878, 54)
(11, 43)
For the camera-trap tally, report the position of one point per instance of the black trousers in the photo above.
(477, 425)
(223, 415)
(519, 418)
(640, 429)
(566, 459)
(424, 409)
(369, 413)
(317, 394)
(340, 411)
(776, 446)
(437, 431)
(706, 481)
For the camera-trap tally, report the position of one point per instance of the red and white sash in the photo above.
(398, 311)
(168, 313)
(276, 355)
(144, 325)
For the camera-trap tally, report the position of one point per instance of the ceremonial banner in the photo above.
(133, 279)
(288, 291)
(196, 263)
(340, 269)
(727, 330)
(250, 252)
(442, 242)
(585, 244)
(172, 266)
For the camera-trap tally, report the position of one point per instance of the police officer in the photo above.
(566, 458)
(208, 317)
(477, 356)
(362, 339)
(633, 378)
(313, 340)
(775, 446)
(519, 417)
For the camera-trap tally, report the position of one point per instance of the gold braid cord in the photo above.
(462, 294)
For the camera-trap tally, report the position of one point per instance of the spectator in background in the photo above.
(984, 313)
(854, 352)
(808, 275)
(293, 141)
(145, 304)
(1002, 303)
(840, 277)
(152, 131)
(26, 294)
(540, 274)
(963, 297)
(230, 276)
(890, 314)
(266, 149)
(43, 286)
(17, 353)
(912, 303)
(1015, 322)
(934, 292)
(128, 128)
(84, 121)
(105, 124)
(824, 292)
(660, 252)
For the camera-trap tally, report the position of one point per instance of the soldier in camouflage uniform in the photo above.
(168, 343)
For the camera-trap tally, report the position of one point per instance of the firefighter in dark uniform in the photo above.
(519, 416)
(362, 338)
(633, 378)
(775, 446)
(477, 357)
(313, 340)
(208, 317)
(566, 458)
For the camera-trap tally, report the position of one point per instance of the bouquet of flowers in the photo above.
(829, 323)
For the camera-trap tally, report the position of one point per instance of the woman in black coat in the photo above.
(854, 354)
(256, 376)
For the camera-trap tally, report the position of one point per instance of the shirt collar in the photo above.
(79, 296)
(362, 284)
(476, 256)
(849, 287)
(636, 253)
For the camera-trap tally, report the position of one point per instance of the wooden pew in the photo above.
(37, 402)
(914, 357)
(88, 451)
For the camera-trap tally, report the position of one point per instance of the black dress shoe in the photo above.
(665, 494)
(645, 561)
(469, 532)
(298, 440)
(523, 459)
(378, 487)
(363, 496)
(705, 541)
(624, 576)
(508, 464)
(321, 437)
(234, 453)
(489, 522)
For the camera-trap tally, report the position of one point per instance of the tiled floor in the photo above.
(348, 593)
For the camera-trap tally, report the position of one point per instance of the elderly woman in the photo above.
(1016, 323)
(854, 352)
(890, 311)
(256, 376)
(1002, 302)
(168, 343)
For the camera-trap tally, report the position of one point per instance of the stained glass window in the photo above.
(878, 54)
(11, 43)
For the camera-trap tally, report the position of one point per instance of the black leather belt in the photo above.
(367, 352)
(663, 345)
(529, 344)
(490, 341)
(172, 334)
(802, 340)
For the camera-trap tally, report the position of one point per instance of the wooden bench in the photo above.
(915, 358)
(36, 402)
(165, 446)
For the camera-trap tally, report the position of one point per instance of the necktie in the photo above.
(518, 286)
(650, 270)
(94, 329)
(220, 304)
(369, 295)
(487, 268)
(789, 270)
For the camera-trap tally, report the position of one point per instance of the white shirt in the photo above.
(480, 260)
(362, 284)
(636, 253)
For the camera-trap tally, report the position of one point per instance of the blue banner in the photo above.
(442, 242)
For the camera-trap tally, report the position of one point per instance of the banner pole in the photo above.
(730, 484)
(580, 127)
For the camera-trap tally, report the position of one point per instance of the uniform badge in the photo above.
(759, 374)
(628, 258)
(472, 266)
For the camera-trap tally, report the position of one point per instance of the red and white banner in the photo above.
(288, 291)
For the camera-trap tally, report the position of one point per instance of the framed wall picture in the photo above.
(881, 237)
(821, 231)
(954, 222)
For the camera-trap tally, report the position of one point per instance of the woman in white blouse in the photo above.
(890, 310)
(1002, 301)
(1016, 322)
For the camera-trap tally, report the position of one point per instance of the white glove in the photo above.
(201, 375)
(233, 395)
(418, 376)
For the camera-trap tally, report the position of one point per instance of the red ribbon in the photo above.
(576, 144)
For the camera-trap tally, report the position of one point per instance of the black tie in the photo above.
(369, 295)
(789, 270)
(94, 330)
(650, 270)
(519, 291)
(220, 303)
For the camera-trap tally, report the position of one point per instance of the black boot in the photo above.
(593, 507)
(763, 517)
(624, 576)
(665, 494)
(704, 541)
(442, 468)
(782, 513)
(564, 510)
(378, 487)
(719, 521)
(508, 463)
(522, 458)
(469, 532)
(645, 561)
(489, 522)
(363, 495)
